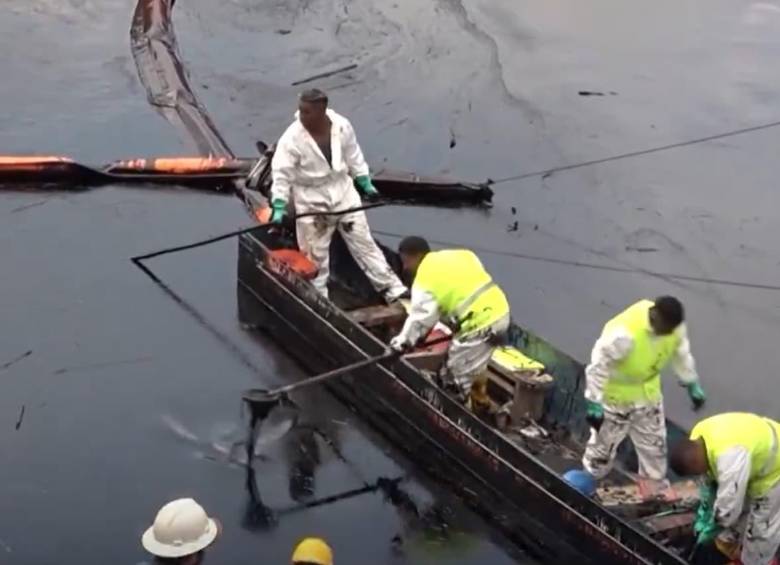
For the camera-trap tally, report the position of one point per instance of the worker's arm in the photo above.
(685, 366)
(353, 156)
(283, 169)
(423, 315)
(683, 363)
(733, 468)
(609, 350)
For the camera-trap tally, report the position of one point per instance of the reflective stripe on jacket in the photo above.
(462, 288)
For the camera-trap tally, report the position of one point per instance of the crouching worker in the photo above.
(181, 532)
(738, 454)
(452, 285)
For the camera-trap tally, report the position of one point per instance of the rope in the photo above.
(600, 267)
(245, 359)
(640, 153)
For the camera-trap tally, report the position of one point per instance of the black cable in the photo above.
(639, 153)
(596, 266)
(138, 261)
(250, 229)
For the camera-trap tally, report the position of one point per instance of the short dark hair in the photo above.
(313, 95)
(680, 456)
(413, 245)
(670, 309)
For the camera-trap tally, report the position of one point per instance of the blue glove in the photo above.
(279, 208)
(364, 185)
(697, 395)
(594, 414)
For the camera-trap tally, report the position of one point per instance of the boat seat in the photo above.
(382, 315)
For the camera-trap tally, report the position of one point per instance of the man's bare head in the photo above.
(689, 457)
(312, 104)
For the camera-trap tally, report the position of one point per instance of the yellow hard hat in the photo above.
(313, 550)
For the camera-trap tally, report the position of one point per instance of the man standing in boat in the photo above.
(740, 506)
(452, 285)
(623, 384)
(316, 160)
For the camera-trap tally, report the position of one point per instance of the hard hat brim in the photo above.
(159, 549)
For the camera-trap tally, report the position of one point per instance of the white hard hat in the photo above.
(180, 528)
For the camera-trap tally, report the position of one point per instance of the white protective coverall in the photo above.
(644, 422)
(299, 167)
(758, 526)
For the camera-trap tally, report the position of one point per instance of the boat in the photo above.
(507, 467)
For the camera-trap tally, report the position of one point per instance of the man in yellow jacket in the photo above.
(452, 285)
(623, 384)
(738, 452)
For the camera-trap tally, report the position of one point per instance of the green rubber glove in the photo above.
(364, 185)
(594, 414)
(697, 395)
(705, 527)
(279, 208)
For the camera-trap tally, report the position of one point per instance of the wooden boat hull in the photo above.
(498, 477)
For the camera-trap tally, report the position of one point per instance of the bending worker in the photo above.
(623, 384)
(452, 285)
(738, 453)
(316, 160)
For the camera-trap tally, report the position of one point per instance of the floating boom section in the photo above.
(218, 174)
(164, 77)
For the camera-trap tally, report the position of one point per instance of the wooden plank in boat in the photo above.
(670, 525)
(372, 316)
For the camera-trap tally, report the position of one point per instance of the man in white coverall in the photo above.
(740, 508)
(623, 384)
(316, 159)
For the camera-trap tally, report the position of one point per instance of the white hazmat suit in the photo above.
(299, 167)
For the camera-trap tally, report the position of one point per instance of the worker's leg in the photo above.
(602, 446)
(357, 235)
(648, 434)
(762, 532)
(469, 355)
(314, 235)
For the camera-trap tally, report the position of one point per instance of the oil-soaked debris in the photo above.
(19, 419)
(16, 360)
(28, 206)
(103, 365)
(590, 93)
(325, 74)
(513, 227)
(284, 31)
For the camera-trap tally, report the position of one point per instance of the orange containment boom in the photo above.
(222, 174)
(180, 166)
